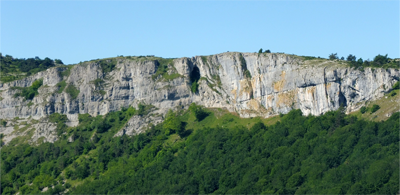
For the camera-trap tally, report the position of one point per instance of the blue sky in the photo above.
(75, 31)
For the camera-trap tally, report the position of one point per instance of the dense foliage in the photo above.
(14, 68)
(42, 165)
(329, 154)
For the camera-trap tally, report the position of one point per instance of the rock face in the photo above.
(248, 83)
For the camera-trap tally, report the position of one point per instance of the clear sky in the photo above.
(75, 31)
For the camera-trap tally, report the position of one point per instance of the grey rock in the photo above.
(278, 84)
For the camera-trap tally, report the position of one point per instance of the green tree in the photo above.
(380, 60)
(260, 51)
(333, 56)
(172, 124)
(351, 58)
(58, 61)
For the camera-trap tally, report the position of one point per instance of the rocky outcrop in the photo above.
(248, 83)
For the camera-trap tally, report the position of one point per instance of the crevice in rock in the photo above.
(342, 99)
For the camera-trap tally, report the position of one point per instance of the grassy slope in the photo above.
(389, 104)
(223, 118)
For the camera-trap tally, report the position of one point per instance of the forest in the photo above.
(329, 154)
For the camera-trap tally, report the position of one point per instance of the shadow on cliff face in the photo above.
(195, 74)
(342, 99)
(194, 78)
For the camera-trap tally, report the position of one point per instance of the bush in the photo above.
(72, 91)
(143, 109)
(363, 110)
(375, 108)
(393, 93)
(58, 61)
(195, 86)
(107, 65)
(198, 111)
(30, 92)
(309, 57)
(396, 85)
(61, 86)
(3, 123)
(247, 74)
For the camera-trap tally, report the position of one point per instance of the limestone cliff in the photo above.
(251, 84)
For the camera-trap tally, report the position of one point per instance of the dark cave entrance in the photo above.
(194, 78)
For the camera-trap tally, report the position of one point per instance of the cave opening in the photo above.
(194, 78)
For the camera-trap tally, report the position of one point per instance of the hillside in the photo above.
(210, 151)
(250, 84)
(230, 123)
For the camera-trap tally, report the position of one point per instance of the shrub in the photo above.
(375, 108)
(396, 85)
(66, 72)
(3, 123)
(58, 61)
(393, 93)
(198, 111)
(194, 87)
(247, 74)
(61, 86)
(309, 57)
(72, 91)
(143, 109)
(30, 92)
(98, 83)
(107, 66)
(363, 110)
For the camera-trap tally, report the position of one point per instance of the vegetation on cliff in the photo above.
(28, 92)
(18, 68)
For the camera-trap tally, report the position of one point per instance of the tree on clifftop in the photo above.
(333, 56)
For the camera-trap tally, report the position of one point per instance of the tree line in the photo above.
(382, 61)
(9, 66)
